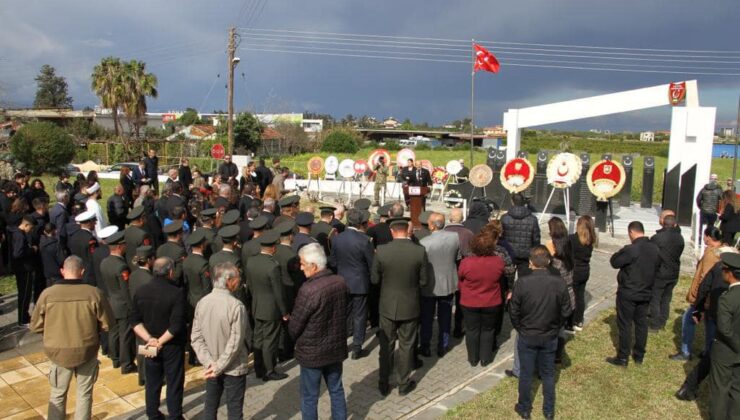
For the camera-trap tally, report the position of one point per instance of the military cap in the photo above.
(174, 227)
(304, 218)
(398, 221)
(85, 216)
(228, 233)
(115, 239)
(259, 223)
(384, 210)
(731, 260)
(285, 228)
(80, 197)
(269, 238)
(196, 237)
(327, 209)
(209, 212)
(107, 232)
(288, 201)
(365, 214)
(135, 213)
(362, 204)
(424, 217)
(230, 217)
(145, 251)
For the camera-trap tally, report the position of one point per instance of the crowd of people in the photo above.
(216, 269)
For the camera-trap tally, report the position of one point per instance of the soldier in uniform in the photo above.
(304, 220)
(143, 259)
(252, 247)
(197, 279)
(724, 379)
(292, 277)
(322, 230)
(213, 244)
(229, 253)
(362, 204)
(269, 307)
(400, 268)
(82, 243)
(289, 207)
(135, 235)
(336, 221)
(102, 252)
(381, 176)
(116, 274)
(174, 250)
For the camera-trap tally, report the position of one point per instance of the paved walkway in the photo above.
(442, 383)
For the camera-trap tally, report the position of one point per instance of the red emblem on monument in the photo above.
(677, 92)
(517, 174)
(605, 179)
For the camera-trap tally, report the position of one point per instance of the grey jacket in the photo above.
(443, 251)
(218, 333)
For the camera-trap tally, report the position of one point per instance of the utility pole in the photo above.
(734, 160)
(230, 123)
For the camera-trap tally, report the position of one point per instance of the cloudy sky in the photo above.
(184, 44)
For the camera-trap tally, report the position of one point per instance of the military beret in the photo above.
(107, 232)
(259, 223)
(115, 239)
(327, 209)
(424, 217)
(730, 260)
(398, 221)
(228, 233)
(269, 238)
(285, 228)
(80, 197)
(304, 218)
(230, 217)
(135, 213)
(384, 210)
(290, 200)
(209, 212)
(196, 237)
(85, 216)
(173, 227)
(145, 251)
(362, 204)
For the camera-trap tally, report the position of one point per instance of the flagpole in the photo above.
(472, 99)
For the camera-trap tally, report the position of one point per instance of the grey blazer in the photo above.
(443, 251)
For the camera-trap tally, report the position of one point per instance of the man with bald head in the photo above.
(670, 247)
(443, 252)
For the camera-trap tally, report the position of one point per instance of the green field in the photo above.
(723, 167)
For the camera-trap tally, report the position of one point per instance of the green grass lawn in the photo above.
(589, 388)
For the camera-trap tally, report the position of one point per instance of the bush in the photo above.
(341, 140)
(392, 145)
(42, 146)
(422, 146)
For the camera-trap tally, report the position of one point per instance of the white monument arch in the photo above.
(692, 126)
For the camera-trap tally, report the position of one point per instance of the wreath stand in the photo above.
(346, 187)
(566, 202)
(314, 178)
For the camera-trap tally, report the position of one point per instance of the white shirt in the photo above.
(93, 206)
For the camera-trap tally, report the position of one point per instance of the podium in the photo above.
(417, 196)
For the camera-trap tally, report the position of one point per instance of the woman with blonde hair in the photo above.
(270, 192)
(730, 217)
(582, 243)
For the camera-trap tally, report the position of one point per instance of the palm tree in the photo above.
(106, 83)
(138, 84)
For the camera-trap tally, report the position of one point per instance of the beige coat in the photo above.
(707, 261)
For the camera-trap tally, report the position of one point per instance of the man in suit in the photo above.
(638, 265)
(724, 379)
(59, 215)
(422, 177)
(151, 169)
(352, 257)
(269, 308)
(400, 268)
(264, 176)
(228, 170)
(443, 251)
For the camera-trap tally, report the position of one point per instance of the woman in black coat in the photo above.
(730, 217)
(582, 243)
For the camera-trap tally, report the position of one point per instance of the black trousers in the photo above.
(357, 320)
(459, 315)
(698, 373)
(580, 291)
(660, 303)
(266, 341)
(481, 332)
(169, 365)
(405, 332)
(24, 282)
(632, 314)
(373, 304)
(121, 343)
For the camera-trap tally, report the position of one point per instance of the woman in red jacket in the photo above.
(480, 277)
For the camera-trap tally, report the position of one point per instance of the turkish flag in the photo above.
(484, 60)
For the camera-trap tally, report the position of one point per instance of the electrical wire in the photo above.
(203, 103)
